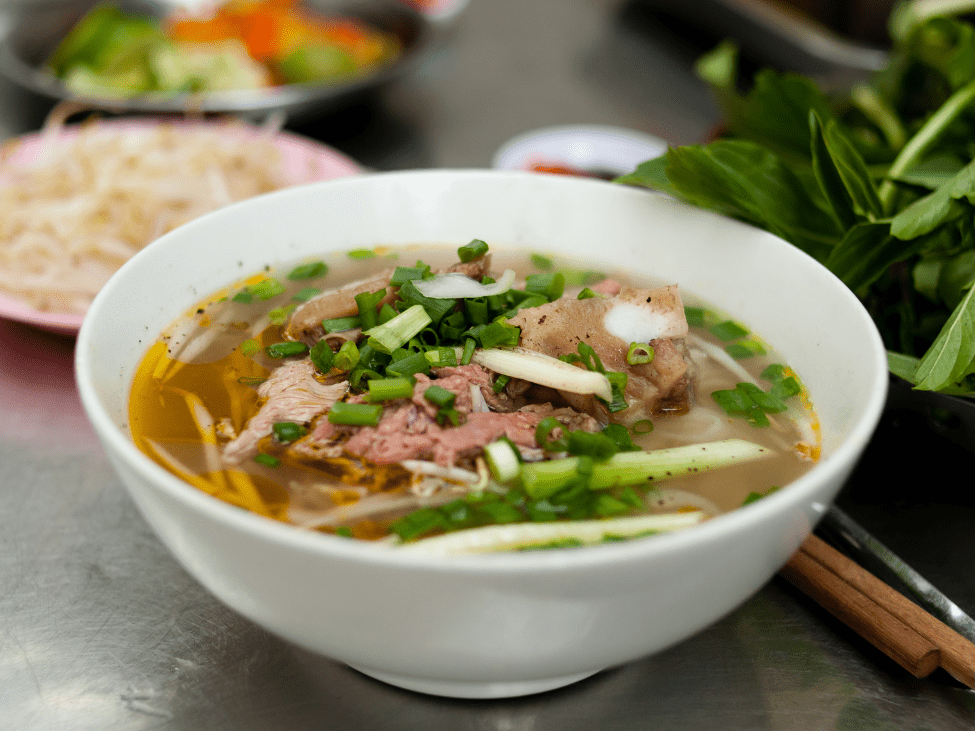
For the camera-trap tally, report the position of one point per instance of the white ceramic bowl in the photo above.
(489, 625)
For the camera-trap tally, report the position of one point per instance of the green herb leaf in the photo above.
(950, 357)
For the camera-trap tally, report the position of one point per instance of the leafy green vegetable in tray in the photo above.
(876, 182)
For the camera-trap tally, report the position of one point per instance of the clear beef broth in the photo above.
(201, 372)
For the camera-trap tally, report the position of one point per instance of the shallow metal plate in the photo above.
(35, 29)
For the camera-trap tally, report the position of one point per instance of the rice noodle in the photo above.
(88, 201)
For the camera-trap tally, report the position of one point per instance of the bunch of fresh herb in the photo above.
(876, 182)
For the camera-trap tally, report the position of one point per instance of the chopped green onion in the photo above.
(286, 349)
(249, 347)
(402, 275)
(621, 437)
(347, 356)
(498, 333)
(728, 330)
(470, 345)
(280, 315)
(417, 523)
(265, 289)
(551, 285)
(288, 431)
(503, 460)
(745, 349)
(409, 366)
(368, 303)
(586, 294)
(340, 324)
(322, 356)
(386, 389)
(391, 335)
(783, 386)
(499, 383)
(355, 414)
(445, 415)
(597, 445)
(311, 270)
(441, 356)
(541, 262)
(544, 429)
(639, 354)
(358, 254)
(436, 308)
(767, 402)
(582, 277)
(268, 460)
(472, 251)
(305, 294)
(440, 396)
(643, 426)
(477, 310)
(694, 316)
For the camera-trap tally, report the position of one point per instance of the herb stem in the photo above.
(925, 137)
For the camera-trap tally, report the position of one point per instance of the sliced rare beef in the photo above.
(291, 393)
(306, 320)
(609, 325)
(409, 429)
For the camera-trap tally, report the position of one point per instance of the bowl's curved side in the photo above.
(507, 621)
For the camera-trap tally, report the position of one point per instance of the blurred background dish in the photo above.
(588, 150)
(61, 233)
(246, 56)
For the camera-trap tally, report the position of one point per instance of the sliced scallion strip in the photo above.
(340, 324)
(286, 349)
(288, 431)
(390, 335)
(386, 389)
(440, 396)
(639, 354)
(355, 414)
(368, 303)
(633, 468)
(469, 252)
(502, 459)
(516, 535)
(544, 370)
(322, 356)
(311, 270)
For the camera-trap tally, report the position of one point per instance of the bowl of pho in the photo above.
(479, 433)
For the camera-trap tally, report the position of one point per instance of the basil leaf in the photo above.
(651, 174)
(852, 170)
(950, 358)
(866, 251)
(747, 181)
(938, 207)
(829, 178)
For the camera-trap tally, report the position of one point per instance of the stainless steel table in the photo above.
(100, 629)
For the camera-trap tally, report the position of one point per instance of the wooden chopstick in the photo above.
(916, 640)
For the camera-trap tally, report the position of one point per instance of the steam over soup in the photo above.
(466, 400)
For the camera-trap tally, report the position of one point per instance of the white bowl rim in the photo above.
(736, 521)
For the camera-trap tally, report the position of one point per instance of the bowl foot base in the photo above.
(474, 689)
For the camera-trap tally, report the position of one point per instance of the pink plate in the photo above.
(304, 161)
